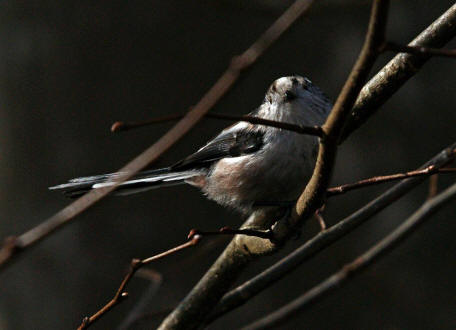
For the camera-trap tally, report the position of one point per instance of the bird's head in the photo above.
(296, 94)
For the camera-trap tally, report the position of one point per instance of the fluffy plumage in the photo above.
(245, 164)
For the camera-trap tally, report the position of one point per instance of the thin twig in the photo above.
(13, 246)
(387, 178)
(362, 262)
(120, 126)
(135, 265)
(265, 279)
(418, 50)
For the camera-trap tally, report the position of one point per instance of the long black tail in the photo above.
(142, 181)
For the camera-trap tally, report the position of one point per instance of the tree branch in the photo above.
(120, 126)
(387, 178)
(362, 262)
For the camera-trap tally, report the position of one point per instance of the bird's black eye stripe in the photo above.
(289, 95)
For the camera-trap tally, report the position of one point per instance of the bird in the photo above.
(246, 166)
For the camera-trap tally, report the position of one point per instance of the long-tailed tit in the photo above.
(245, 165)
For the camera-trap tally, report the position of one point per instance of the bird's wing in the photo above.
(235, 141)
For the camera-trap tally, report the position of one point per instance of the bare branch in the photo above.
(262, 281)
(418, 50)
(135, 265)
(362, 262)
(120, 126)
(387, 178)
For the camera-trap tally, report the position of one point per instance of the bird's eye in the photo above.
(289, 96)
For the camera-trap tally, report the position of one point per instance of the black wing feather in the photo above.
(227, 144)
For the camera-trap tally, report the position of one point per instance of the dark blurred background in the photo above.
(69, 69)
